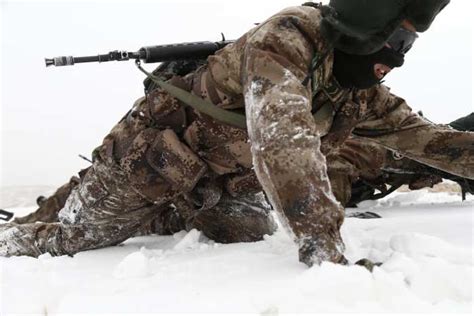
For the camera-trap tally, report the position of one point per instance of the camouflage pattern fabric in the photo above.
(49, 208)
(143, 180)
(163, 151)
(269, 65)
(355, 159)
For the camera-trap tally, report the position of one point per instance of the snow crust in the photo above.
(424, 240)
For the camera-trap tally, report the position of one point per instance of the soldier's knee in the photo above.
(243, 219)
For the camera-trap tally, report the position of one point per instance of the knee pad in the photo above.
(240, 219)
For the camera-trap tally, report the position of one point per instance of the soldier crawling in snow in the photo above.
(170, 167)
(368, 167)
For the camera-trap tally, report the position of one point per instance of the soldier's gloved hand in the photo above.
(369, 265)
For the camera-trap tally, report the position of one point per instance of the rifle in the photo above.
(393, 179)
(148, 54)
(172, 53)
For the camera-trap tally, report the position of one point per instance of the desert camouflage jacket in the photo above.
(264, 72)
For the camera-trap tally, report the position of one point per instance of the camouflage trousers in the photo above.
(145, 179)
(101, 210)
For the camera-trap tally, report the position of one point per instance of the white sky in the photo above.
(50, 115)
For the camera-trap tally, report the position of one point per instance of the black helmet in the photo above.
(363, 26)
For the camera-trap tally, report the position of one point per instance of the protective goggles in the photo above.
(402, 40)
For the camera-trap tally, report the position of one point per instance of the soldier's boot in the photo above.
(244, 218)
(49, 207)
(40, 200)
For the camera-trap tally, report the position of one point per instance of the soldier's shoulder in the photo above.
(305, 13)
(306, 19)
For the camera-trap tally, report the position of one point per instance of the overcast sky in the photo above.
(50, 115)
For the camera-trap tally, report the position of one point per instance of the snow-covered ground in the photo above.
(424, 239)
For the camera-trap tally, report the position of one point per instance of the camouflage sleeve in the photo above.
(392, 123)
(285, 140)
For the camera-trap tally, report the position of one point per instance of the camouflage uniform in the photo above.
(164, 156)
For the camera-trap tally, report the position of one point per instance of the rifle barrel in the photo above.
(111, 56)
(149, 54)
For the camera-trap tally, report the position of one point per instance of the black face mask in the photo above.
(357, 71)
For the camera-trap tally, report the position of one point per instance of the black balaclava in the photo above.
(357, 71)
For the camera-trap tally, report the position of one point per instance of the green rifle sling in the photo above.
(210, 109)
(199, 104)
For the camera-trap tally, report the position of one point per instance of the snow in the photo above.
(423, 238)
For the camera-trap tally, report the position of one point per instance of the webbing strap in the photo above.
(208, 108)
(197, 103)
